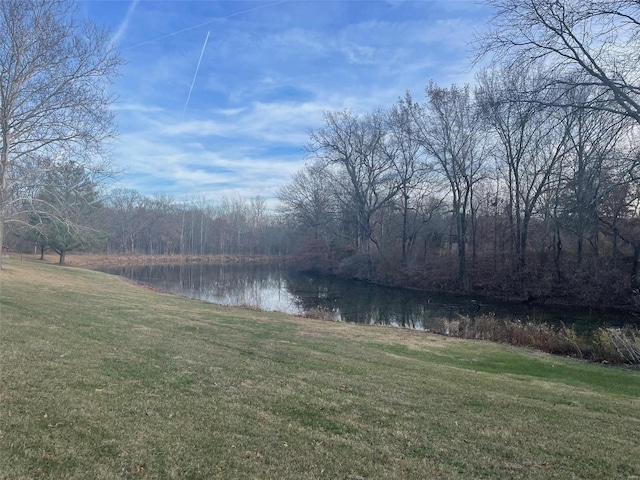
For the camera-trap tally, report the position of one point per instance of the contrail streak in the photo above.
(195, 74)
(124, 24)
(193, 27)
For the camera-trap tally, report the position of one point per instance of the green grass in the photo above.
(100, 378)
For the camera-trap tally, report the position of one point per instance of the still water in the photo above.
(276, 288)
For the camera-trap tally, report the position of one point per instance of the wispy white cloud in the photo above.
(269, 72)
(231, 111)
(202, 24)
(135, 107)
(195, 170)
(122, 28)
(273, 123)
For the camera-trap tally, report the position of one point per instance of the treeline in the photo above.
(498, 188)
(164, 226)
(78, 215)
(525, 184)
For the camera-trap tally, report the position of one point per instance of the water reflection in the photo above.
(272, 288)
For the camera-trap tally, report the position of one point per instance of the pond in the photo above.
(276, 288)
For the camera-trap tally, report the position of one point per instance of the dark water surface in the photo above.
(275, 288)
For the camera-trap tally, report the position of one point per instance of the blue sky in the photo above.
(230, 118)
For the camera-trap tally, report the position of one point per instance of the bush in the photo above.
(611, 345)
(617, 345)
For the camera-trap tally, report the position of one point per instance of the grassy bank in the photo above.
(100, 378)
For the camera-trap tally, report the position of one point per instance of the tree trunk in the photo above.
(405, 213)
(580, 249)
(1, 230)
(614, 248)
(558, 249)
(4, 164)
(634, 266)
(463, 277)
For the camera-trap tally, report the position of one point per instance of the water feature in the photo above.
(274, 288)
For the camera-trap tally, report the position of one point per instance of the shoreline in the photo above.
(126, 260)
(89, 260)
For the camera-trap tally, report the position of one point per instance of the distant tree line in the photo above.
(160, 225)
(89, 218)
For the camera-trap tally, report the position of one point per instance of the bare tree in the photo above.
(363, 169)
(308, 202)
(582, 42)
(53, 99)
(596, 164)
(126, 220)
(413, 171)
(530, 143)
(257, 222)
(232, 215)
(195, 217)
(450, 132)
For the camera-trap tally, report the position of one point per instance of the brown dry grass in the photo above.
(100, 378)
(94, 260)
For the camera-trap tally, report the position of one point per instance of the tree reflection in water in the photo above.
(275, 288)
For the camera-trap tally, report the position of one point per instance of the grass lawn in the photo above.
(100, 378)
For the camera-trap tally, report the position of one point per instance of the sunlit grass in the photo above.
(104, 379)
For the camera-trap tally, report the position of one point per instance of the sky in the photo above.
(217, 98)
